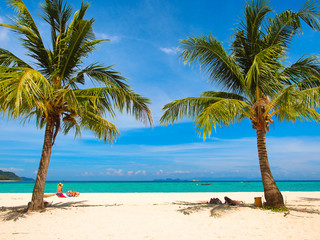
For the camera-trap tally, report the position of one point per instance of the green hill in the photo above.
(9, 176)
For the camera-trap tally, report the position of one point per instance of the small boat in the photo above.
(206, 183)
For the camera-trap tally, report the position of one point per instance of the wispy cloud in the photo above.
(12, 169)
(4, 32)
(121, 172)
(170, 50)
(113, 38)
(113, 172)
(181, 172)
(87, 174)
(143, 172)
(160, 172)
(148, 159)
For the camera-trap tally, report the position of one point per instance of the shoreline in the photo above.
(159, 187)
(160, 216)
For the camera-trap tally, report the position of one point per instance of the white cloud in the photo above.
(12, 169)
(160, 172)
(171, 50)
(4, 35)
(143, 172)
(86, 174)
(4, 32)
(120, 172)
(113, 172)
(113, 38)
(181, 172)
(294, 144)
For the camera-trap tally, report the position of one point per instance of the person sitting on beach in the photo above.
(59, 191)
(232, 202)
(71, 193)
(215, 201)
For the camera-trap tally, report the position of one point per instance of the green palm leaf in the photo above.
(257, 83)
(212, 57)
(222, 113)
(53, 91)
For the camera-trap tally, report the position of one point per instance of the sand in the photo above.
(164, 216)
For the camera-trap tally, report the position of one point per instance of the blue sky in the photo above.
(145, 35)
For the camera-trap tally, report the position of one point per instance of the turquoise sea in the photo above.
(152, 187)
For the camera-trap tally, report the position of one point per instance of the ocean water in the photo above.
(153, 187)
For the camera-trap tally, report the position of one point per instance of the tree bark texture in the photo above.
(271, 192)
(37, 202)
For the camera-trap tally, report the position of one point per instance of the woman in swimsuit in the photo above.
(59, 191)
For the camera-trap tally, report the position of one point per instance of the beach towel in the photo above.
(60, 195)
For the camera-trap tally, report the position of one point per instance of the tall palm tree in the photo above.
(255, 81)
(52, 90)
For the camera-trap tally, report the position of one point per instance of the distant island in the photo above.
(10, 176)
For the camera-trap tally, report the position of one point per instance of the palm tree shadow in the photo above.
(13, 213)
(304, 205)
(17, 212)
(216, 210)
(66, 205)
(310, 199)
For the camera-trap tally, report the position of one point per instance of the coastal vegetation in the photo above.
(256, 81)
(52, 89)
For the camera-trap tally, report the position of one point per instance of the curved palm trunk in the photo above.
(37, 202)
(271, 192)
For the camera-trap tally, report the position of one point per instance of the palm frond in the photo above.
(280, 30)
(24, 17)
(110, 98)
(293, 98)
(303, 71)
(310, 15)
(101, 75)
(225, 95)
(222, 113)
(255, 13)
(103, 129)
(76, 44)
(8, 59)
(56, 14)
(294, 112)
(31, 38)
(186, 108)
(22, 87)
(262, 75)
(212, 57)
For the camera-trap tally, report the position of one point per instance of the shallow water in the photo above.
(129, 187)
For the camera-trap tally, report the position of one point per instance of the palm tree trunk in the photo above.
(37, 202)
(271, 192)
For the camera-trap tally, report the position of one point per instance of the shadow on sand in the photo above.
(218, 210)
(17, 212)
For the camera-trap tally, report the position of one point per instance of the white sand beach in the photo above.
(159, 216)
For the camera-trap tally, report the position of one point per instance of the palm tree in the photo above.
(255, 81)
(52, 90)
